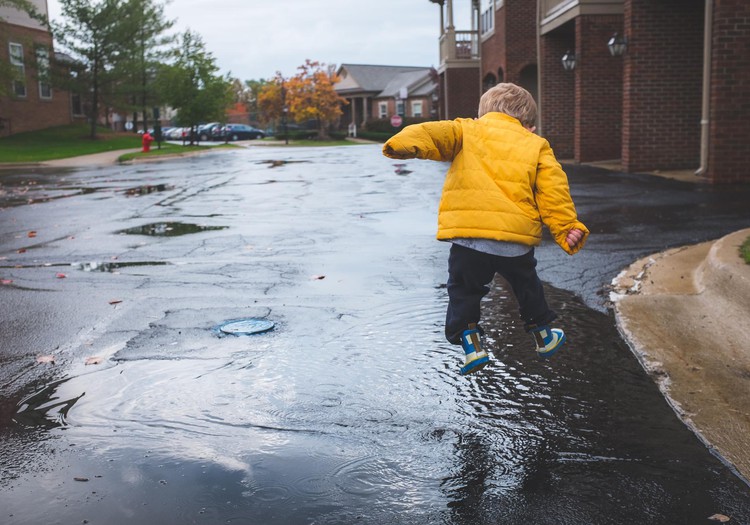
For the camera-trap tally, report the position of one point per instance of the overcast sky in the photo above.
(253, 39)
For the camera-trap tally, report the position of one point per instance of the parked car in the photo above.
(240, 132)
(208, 131)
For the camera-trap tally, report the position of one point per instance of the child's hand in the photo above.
(574, 237)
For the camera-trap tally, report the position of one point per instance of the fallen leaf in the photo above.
(6, 281)
(94, 360)
(318, 277)
(22, 250)
(46, 359)
(78, 478)
(115, 301)
(61, 276)
(721, 518)
(32, 234)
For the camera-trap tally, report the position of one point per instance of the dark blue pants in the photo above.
(470, 274)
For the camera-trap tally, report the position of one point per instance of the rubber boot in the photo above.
(476, 358)
(548, 340)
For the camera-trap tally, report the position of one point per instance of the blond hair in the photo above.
(510, 99)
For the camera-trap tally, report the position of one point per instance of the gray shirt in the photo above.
(501, 248)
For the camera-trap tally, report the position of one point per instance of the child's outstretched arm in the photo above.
(431, 140)
(555, 204)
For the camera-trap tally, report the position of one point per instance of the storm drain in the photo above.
(247, 326)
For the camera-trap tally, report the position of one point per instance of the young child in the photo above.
(502, 184)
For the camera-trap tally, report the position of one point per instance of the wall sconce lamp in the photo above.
(569, 61)
(617, 45)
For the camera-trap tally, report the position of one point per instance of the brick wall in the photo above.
(520, 33)
(493, 49)
(662, 84)
(31, 112)
(557, 93)
(598, 90)
(729, 125)
(462, 91)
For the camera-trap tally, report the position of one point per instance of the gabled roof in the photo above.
(410, 80)
(368, 78)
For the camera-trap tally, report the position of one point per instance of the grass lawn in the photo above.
(311, 142)
(63, 142)
(73, 140)
(168, 149)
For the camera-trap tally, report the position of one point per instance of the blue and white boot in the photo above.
(476, 358)
(548, 340)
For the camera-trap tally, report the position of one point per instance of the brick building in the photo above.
(379, 92)
(671, 92)
(29, 101)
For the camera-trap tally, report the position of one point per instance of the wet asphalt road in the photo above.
(351, 410)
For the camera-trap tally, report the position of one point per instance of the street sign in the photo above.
(396, 121)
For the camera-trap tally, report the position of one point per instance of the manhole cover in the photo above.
(246, 326)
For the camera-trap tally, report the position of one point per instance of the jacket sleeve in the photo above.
(554, 201)
(431, 140)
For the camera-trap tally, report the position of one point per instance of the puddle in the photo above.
(169, 229)
(147, 189)
(279, 163)
(89, 266)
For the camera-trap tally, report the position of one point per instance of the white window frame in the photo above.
(43, 72)
(401, 107)
(16, 62)
(417, 108)
(382, 109)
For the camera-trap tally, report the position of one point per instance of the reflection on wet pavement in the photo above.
(169, 229)
(351, 410)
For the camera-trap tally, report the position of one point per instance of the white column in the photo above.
(364, 110)
(450, 15)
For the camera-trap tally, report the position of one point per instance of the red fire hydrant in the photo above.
(147, 140)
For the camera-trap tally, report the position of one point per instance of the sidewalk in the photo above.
(686, 315)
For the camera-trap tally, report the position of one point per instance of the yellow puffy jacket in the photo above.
(503, 182)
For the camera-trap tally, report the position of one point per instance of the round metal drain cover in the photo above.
(246, 326)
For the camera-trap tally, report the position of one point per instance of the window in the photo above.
(75, 104)
(400, 108)
(19, 71)
(416, 108)
(382, 109)
(42, 67)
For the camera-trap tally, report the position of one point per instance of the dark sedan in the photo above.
(241, 132)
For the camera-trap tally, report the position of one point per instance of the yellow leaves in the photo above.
(308, 95)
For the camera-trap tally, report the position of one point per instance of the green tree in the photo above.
(192, 86)
(144, 36)
(253, 90)
(92, 34)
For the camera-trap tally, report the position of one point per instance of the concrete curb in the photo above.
(725, 272)
(684, 313)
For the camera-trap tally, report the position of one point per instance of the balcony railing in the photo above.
(459, 45)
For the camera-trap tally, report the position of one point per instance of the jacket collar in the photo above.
(494, 115)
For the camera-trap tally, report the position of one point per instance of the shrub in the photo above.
(745, 250)
(383, 125)
(376, 136)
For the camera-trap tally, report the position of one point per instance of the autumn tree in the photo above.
(310, 95)
(270, 99)
(191, 83)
